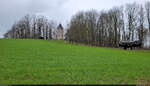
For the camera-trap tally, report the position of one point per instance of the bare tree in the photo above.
(31, 27)
(131, 12)
(141, 23)
(147, 7)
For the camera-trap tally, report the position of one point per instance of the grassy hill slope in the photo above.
(26, 61)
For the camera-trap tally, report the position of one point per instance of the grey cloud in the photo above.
(13, 10)
(44, 5)
(57, 10)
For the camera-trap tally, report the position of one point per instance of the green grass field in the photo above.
(26, 61)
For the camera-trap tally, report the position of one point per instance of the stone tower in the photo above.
(59, 32)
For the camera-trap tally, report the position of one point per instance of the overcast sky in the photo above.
(57, 10)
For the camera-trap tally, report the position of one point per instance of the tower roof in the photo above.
(60, 26)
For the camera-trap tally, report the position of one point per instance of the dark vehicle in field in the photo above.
(41, 37)
(130, 44)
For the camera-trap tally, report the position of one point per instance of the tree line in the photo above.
(35, 27)
(107, 28)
